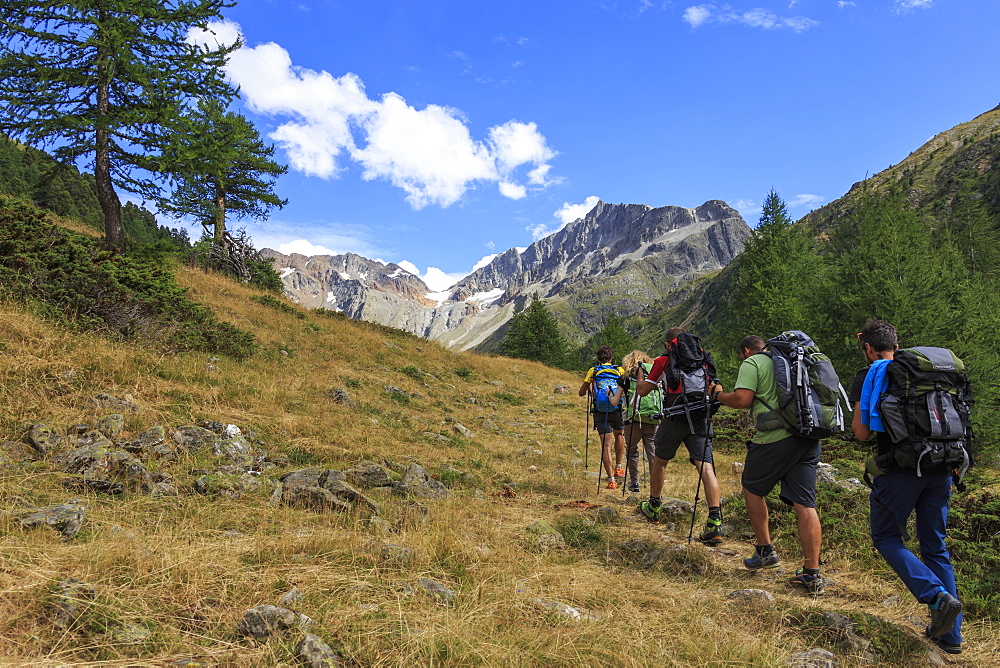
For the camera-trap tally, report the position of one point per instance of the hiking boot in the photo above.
(611, 484)
(944, 609)
(948, 647)
(650, 512)
(812, 582)
(712, 535)
(634, 488)
(757, 562)
(619, 471)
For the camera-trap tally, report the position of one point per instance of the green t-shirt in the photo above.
(757, 374)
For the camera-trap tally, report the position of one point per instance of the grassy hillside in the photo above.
(173, 574)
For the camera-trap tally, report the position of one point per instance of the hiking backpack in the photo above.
(811, 399)
(605, 385)
(691, 370)
(926, 412)
(650, 406)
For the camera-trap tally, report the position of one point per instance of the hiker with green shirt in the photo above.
(641, 414)
(775, 456)
(601, 385)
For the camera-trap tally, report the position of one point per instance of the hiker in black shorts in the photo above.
(601, 384)
(775, 457)
(668, 438)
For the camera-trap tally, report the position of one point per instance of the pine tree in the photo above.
(612, 334)
(776, 272)
(221, 166)
(107, 82)
(534, 334)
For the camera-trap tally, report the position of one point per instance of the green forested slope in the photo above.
(33, 176)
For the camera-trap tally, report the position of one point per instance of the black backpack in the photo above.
(811, 400)
(691, 370)
(926, 412)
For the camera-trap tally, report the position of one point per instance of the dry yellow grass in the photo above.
(186, 568)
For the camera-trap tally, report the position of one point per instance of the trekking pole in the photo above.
(586, 435)
(709, 433)
(631, 445)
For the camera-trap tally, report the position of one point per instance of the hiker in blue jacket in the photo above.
(897, 494)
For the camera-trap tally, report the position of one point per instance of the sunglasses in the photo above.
(862, 340)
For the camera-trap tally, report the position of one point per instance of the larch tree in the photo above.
(221, 166)
(106, 82)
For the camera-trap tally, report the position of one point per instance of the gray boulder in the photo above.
(301, 478)
(66, 518)
(341, 396)
(103, 469)
(314, 498)
(235, 449)
(228, 486)
(369, 476)
(817, 657)
(111, 425)
(266, 620)
(418, 482)
(195, 439)
(71, 600)
(315, 653)
(391, 552)
(44, 438)
(151, 443)
(436, 590)
(345, 492)
(544, 537)
(106, 401)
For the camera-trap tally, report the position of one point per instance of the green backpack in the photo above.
(650, 406)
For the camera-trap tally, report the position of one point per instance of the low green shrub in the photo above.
(71, 275)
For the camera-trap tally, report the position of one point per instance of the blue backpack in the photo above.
(605, 384)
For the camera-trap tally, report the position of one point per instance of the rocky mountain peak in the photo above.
(636, 251)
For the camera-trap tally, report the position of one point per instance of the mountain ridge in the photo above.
(636, 253)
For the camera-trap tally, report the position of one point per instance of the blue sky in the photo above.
(439, 132)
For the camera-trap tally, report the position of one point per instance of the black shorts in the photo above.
(791, 461)
(671, 433)
(605, 423)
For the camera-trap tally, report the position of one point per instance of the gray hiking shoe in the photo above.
(650, 512)
(634, 487)
(757, 562)
(811, 582)
(944, 609)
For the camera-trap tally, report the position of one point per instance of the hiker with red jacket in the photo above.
(691, 429)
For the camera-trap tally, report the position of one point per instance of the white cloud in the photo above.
(485, 261)
(327, 121)
(804, 200)
(699, 15)
(435, 279)
(491, 245)
(749, 209)
(846, 3)
(438, 281)
(303, 247)
(566, 214)
(513, 190)
(906, 5)
(408, 266)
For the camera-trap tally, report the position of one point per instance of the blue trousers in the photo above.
(893, 498)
